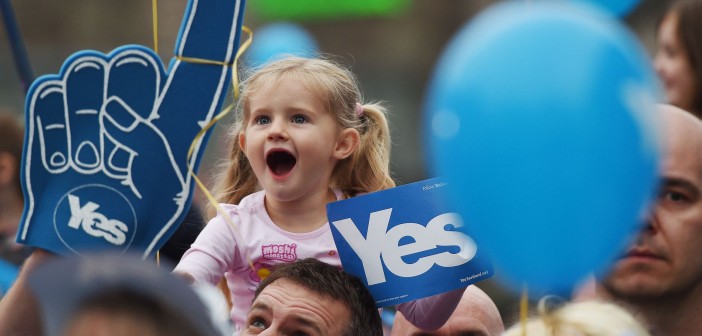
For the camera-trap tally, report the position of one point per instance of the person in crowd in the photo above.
(11, 198)
(310, 297)
(476, 314)
(108, 295)
(678, 59)
(303, 138)
(659, 277)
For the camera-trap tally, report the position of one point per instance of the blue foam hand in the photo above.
(105, 157)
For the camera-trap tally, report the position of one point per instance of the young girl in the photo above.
(678, 59)
(302, 139)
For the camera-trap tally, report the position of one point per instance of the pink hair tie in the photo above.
(359, 109)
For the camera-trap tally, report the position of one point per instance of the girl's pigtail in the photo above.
(368, 169)
(236, 179)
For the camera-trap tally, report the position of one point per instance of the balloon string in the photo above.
(154, 21)
(218, 117)
(235, 77)
(154, 10)
(523, 310)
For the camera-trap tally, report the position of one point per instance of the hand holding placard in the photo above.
(406, 243)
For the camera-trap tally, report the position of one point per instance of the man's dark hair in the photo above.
(330, 281)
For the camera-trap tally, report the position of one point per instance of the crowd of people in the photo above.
(304, 137)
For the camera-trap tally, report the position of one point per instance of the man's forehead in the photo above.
(683, 162)
(675, 120)
(295, 302)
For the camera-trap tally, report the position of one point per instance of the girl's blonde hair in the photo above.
(366, 170)
(584, 318)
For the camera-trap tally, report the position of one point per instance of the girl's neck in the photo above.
(300, 216)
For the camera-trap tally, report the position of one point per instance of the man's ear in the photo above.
(347, 143)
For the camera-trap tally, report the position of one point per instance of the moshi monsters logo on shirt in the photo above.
(93, 215)
(283, 252)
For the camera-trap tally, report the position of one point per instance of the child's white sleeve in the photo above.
(212, 254)
(430, 313)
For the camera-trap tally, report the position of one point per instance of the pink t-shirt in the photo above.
(219, 250)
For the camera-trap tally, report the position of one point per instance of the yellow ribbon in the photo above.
(524, 310)
(154, 10)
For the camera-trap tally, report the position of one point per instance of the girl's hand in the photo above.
(185, 276)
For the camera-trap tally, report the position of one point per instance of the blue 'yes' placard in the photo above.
(406, 243)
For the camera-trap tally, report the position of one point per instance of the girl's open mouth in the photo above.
(280, 162)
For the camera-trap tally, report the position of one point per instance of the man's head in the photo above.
(108, 294)
(314, 298)
(123, 312)
(664, 262)
(475, 314)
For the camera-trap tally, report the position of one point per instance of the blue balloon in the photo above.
(279, 39)
(616, 7)
(541, 116)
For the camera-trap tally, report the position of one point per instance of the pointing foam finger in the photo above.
(210, 30)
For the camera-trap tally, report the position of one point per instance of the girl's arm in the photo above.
(430, 313)
(189, 279)
(211, 255)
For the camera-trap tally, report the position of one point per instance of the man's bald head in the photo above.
(476, 314)
(681, 131)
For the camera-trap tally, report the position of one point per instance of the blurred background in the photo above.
(391, 45)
